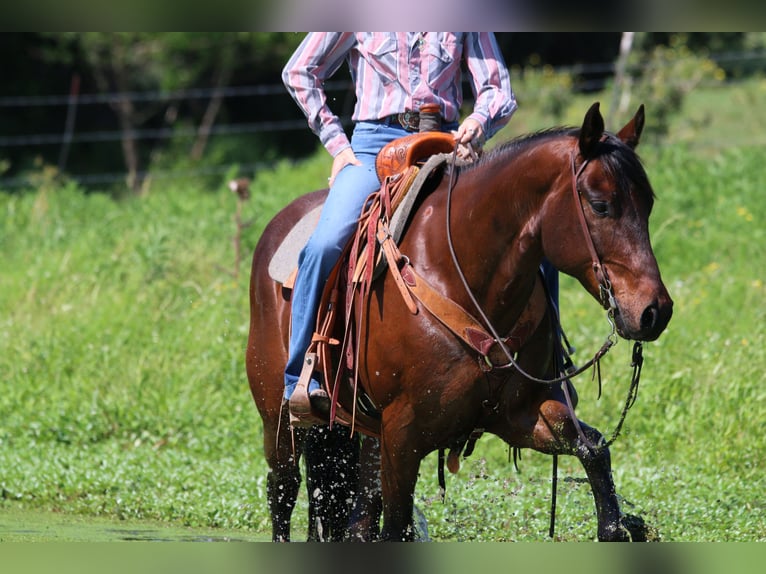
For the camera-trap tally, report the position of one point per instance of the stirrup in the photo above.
(302, 415)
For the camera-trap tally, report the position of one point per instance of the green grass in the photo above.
(123, 328)
(24, 525)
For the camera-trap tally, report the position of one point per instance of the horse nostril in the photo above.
(649, 317)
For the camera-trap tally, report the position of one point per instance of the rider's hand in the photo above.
(470, 137)
(344, 158)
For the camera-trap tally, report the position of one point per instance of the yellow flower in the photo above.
(744, 213)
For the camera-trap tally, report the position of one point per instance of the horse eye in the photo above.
(600, 208)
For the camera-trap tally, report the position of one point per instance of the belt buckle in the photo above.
(409, 120)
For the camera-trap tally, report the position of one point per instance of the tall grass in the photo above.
(122, 336)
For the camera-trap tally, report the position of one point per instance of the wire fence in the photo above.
(589, 77)
(69, 137)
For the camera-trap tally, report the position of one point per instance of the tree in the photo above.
(128, 62)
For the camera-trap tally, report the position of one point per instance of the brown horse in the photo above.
(578, 197)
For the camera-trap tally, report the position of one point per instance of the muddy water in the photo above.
(17, 525)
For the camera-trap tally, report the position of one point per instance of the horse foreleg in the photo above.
(400, 461)
(556, 433)
(598, 467)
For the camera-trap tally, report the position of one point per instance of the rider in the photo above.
(394, 74)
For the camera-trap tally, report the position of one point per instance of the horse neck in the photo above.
(496, 213)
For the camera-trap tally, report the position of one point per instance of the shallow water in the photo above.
(21, 525)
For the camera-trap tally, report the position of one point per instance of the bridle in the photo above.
(606, 293)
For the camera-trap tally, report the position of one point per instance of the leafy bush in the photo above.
(550, 90)
(663, 77)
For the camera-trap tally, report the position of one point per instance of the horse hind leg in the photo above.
(331, 475)
(282, 484)
(283, 479)
(364, 524)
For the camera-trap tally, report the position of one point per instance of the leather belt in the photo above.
(410, 121)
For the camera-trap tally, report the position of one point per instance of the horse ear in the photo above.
(591, 131)
(631, 133)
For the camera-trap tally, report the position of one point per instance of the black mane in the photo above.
(510, 148)
(619, 160)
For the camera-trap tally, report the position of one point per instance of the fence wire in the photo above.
(67, 138)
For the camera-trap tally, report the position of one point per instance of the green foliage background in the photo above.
(123, 326)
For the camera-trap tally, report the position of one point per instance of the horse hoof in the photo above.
(631, 528)
(639, 530)
(613, 532)
(420, 524)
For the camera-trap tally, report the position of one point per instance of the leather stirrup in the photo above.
(301, 413)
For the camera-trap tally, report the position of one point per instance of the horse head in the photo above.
(609, 250)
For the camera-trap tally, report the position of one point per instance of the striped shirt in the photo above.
(395, 72)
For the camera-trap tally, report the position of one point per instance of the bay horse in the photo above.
(579, 197)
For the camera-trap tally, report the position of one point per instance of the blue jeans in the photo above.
(338, 221)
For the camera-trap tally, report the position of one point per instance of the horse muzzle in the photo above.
(643, 322)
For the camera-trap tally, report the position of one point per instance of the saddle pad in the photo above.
(285, 259)
(402, 213)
